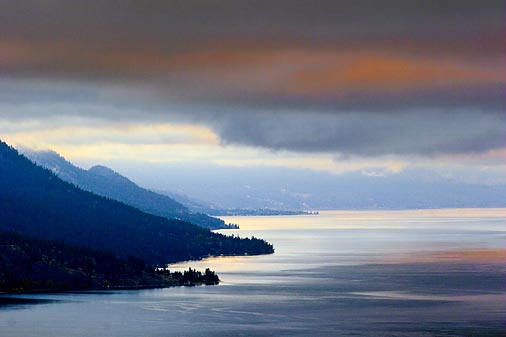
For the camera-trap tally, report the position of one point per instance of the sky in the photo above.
(327, 85)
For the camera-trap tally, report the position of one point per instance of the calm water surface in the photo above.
(365, 273)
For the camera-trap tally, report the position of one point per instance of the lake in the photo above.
(361, 273)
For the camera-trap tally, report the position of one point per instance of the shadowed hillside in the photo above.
(35, 265)
(108, 183)
(35, 203)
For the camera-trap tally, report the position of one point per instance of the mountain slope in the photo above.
(289, 188)
(108, 183)
(36, 203)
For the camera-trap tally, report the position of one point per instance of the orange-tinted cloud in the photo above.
(406, 77)
(231, 70)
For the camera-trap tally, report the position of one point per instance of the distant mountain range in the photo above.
(301, 189)
(213, 210)
(108, 183)
(36, 204)
(228, 191)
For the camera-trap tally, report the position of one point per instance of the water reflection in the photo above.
(8, 302)
(402, 273)
(336, 238)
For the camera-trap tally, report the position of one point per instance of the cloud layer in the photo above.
(349, 77)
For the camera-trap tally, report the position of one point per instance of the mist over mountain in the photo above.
(103, 181)
(35, 203)
(292, 189)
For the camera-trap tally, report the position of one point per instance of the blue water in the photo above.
(399, 273)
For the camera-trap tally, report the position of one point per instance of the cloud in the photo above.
(373, 131)
(363, 78)
(199, 49)
(418, 132)
(172, 20)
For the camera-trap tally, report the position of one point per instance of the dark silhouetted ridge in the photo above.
(35, 203)
(103, 181)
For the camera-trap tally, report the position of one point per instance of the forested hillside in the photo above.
(35, 203)
(108, 183)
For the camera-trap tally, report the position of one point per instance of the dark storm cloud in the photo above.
(369, 134)
(86, 37)
(357, 77)
(163, 20)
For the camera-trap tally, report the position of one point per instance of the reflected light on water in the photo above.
(342, 273)
(336, 238)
